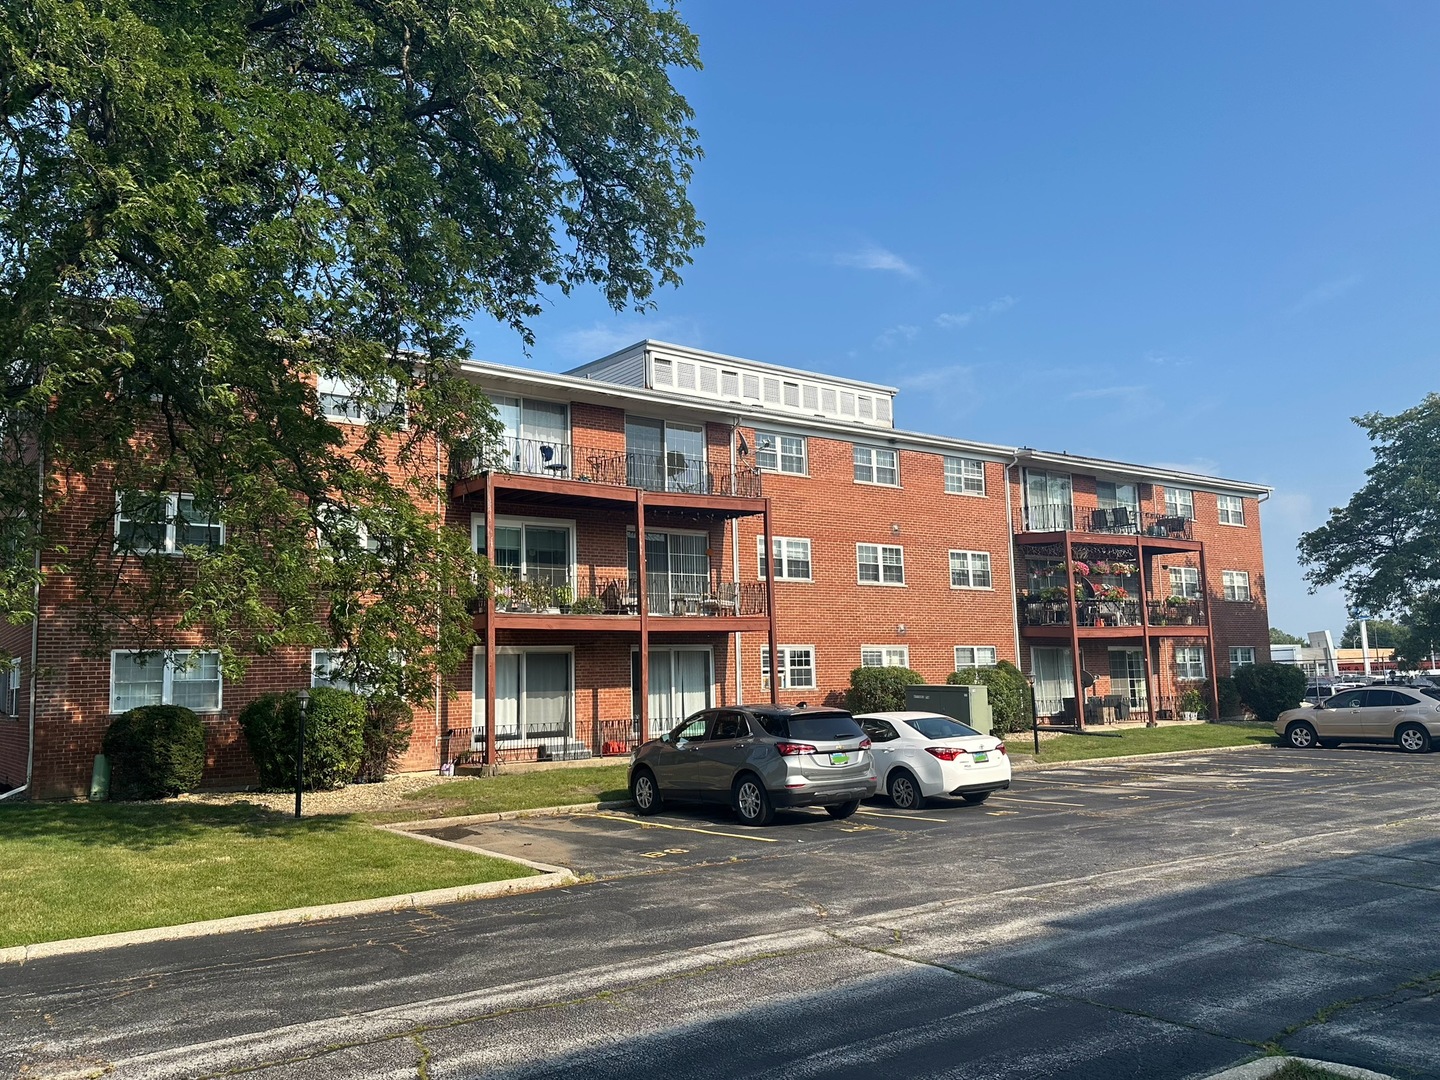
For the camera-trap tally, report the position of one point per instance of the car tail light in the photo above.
(864, 744)
(795, 749)
(1001, 748)
(945, 753)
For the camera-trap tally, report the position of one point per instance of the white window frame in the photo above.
(1175, 506)
(1188, 579)
(965, 473)
(786, 671)
(1236, 584)
(1237, 659)
(782, 557)
(969, 559)
(316, 678)
(172, 512)
(479, 721)
(974, 661)
(1193, 667)
(867, 461)
(776, 452)
(342, 517)
(880, 565)
(340, 401)
(882, 655)
(10, 688)
(477, 538)
(1231, 510)
(169, 658)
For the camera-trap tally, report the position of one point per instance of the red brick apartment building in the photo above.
(630, 504)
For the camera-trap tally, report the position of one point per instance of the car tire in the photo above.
(975, 798)
(1413, 739)
(751, 801)
(904, 790)
(840, 811)
(645, 792)
(1301, 735)
(1327, 744)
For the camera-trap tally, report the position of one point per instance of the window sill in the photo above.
(1232, 524)
(878, 483)
(971, 588)
(882, 584)
(967, 494)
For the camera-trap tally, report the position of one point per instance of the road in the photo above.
(1155, 918)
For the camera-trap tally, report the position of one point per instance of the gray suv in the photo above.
(757, 757)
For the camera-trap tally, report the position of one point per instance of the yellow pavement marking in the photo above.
(907, 817)
(681, 828)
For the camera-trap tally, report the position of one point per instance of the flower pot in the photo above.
(1192, 716)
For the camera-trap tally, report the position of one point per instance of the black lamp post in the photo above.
(304, 698)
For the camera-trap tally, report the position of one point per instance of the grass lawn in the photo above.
(1298, 1070)
(73, 870)
(513, 791)
(1103, 743)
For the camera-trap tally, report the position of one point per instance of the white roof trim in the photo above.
(649, 344)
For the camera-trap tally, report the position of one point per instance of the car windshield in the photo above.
(941, 727)
(813, 727)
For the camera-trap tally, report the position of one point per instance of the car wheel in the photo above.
(1413, 739)
(752, 801)
(1301, 735)
(975, 798)
(645, 792)
(904, 791)
(844, 809)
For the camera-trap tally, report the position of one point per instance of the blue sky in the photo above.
(1202, 235)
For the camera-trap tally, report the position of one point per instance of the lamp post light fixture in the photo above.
(304, 701)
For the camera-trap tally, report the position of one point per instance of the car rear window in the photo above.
(1429, 691)
(941, 727)
(825, 726)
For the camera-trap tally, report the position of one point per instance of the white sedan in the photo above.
(918, 755)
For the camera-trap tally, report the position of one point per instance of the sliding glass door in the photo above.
(677, 570)
(680, 685)
(534, 694)
(662, 456)
(536, 436)
(1048, 501)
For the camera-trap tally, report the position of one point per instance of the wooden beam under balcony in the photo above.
(610, 624)
(559, 491)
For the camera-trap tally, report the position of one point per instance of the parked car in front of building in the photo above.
(920, 755)
(757, 758)
(1406, 716)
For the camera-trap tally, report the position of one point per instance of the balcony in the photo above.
(551, 460)
(550, 600)
(1102, 618)
(1112, 521)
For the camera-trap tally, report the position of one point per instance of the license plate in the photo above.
(839, 759)
(982, 756)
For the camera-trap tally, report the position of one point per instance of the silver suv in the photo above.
(1408, 716)
(757, 757)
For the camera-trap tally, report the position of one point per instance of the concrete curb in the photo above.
(1258, 1070)
(1038, 766)
(504, 815)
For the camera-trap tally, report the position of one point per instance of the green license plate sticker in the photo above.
(839, 759)
(982, 757)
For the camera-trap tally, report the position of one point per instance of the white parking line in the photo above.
(681, 828)
(907, 817)
(1037, 800)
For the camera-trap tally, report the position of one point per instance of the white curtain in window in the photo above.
(692, 678)
(547, 694)
(137, 684)
(507, 695)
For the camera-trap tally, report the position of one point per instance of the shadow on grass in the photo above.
(143, 826)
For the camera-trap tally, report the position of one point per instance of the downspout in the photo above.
(1014, 582)
(442, 723)
(735, 563)
(34, 641)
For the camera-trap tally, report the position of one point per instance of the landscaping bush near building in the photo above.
(879, 689)
(1009, 694)
(1269, 689)
(389, 723)
(155, 751)
(334, 737)
(1231, 707)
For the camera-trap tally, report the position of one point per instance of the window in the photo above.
(342, 530)
(878, 730)
(1190, 661)
(792, 558)
(325, 668)
(662, 456)
(964, 476)
(147, 522)
(534, 694)
(884, 656)
(1232, 509)
(876, 466)
(1180, 503)
(1048, 501)
(185, 677)
(1237, 584)
(535, 438)
(969, 569)
(880, 564)
(974, 656)
(345, 399)
(1240, 655)
(10, 688)
(797, 667)
(781, 453)
(529, 550)
(1185, 581)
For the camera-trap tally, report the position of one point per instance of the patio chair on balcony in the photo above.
(1120, 519)
(1099, 520)
(725, 600)
(619, 599)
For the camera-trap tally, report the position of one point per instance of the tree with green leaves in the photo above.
(1280, 637)
(208, 211)
(1381, 633)
(1383, 547)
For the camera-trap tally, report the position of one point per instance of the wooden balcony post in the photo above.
(770, 607)
(1210, 636)
(489, 626)
(1075, 632)
(643, 599)
(1145, 627)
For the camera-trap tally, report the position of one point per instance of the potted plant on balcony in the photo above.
(504, 594)
(564, 598)
(1192, 704)
(588, 605)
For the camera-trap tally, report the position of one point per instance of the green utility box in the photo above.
(968, 704)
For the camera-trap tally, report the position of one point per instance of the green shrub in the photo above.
(1009, 693)
(334, 737)
(155, 751)
(389, 723)
(879, 689)
(1195, 699)
(1230, 704)
(1269, 689)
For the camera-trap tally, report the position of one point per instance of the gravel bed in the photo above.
(356, 798)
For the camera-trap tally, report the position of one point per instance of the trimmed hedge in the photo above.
(1270, 689)
(389, 723)
(155, 751)
(334, 737)
(879, 689)
(1230, 704)
(1009, 694)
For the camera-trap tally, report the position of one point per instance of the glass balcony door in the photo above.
(1127, 676)
(536, 436)
(677, 569)
(1054, 680)
(661, 456)
(534, 694)
(680, 685)
(1048, 502)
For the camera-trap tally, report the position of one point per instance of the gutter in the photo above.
(1014, 584)
(735, 564)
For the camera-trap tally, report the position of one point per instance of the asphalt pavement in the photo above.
(1159, 918)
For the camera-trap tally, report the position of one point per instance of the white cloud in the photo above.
(957, 320)
(1094, 393)
(1165, 360)
(587, 343)
(874, 257)
(1324, 293)
(896, 335)
(950, 377)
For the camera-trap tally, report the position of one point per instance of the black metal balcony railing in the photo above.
(653, 471)
(549, 592)
(1175, 612)
(1049, 517)
(1115, 520)
(1098, 613)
